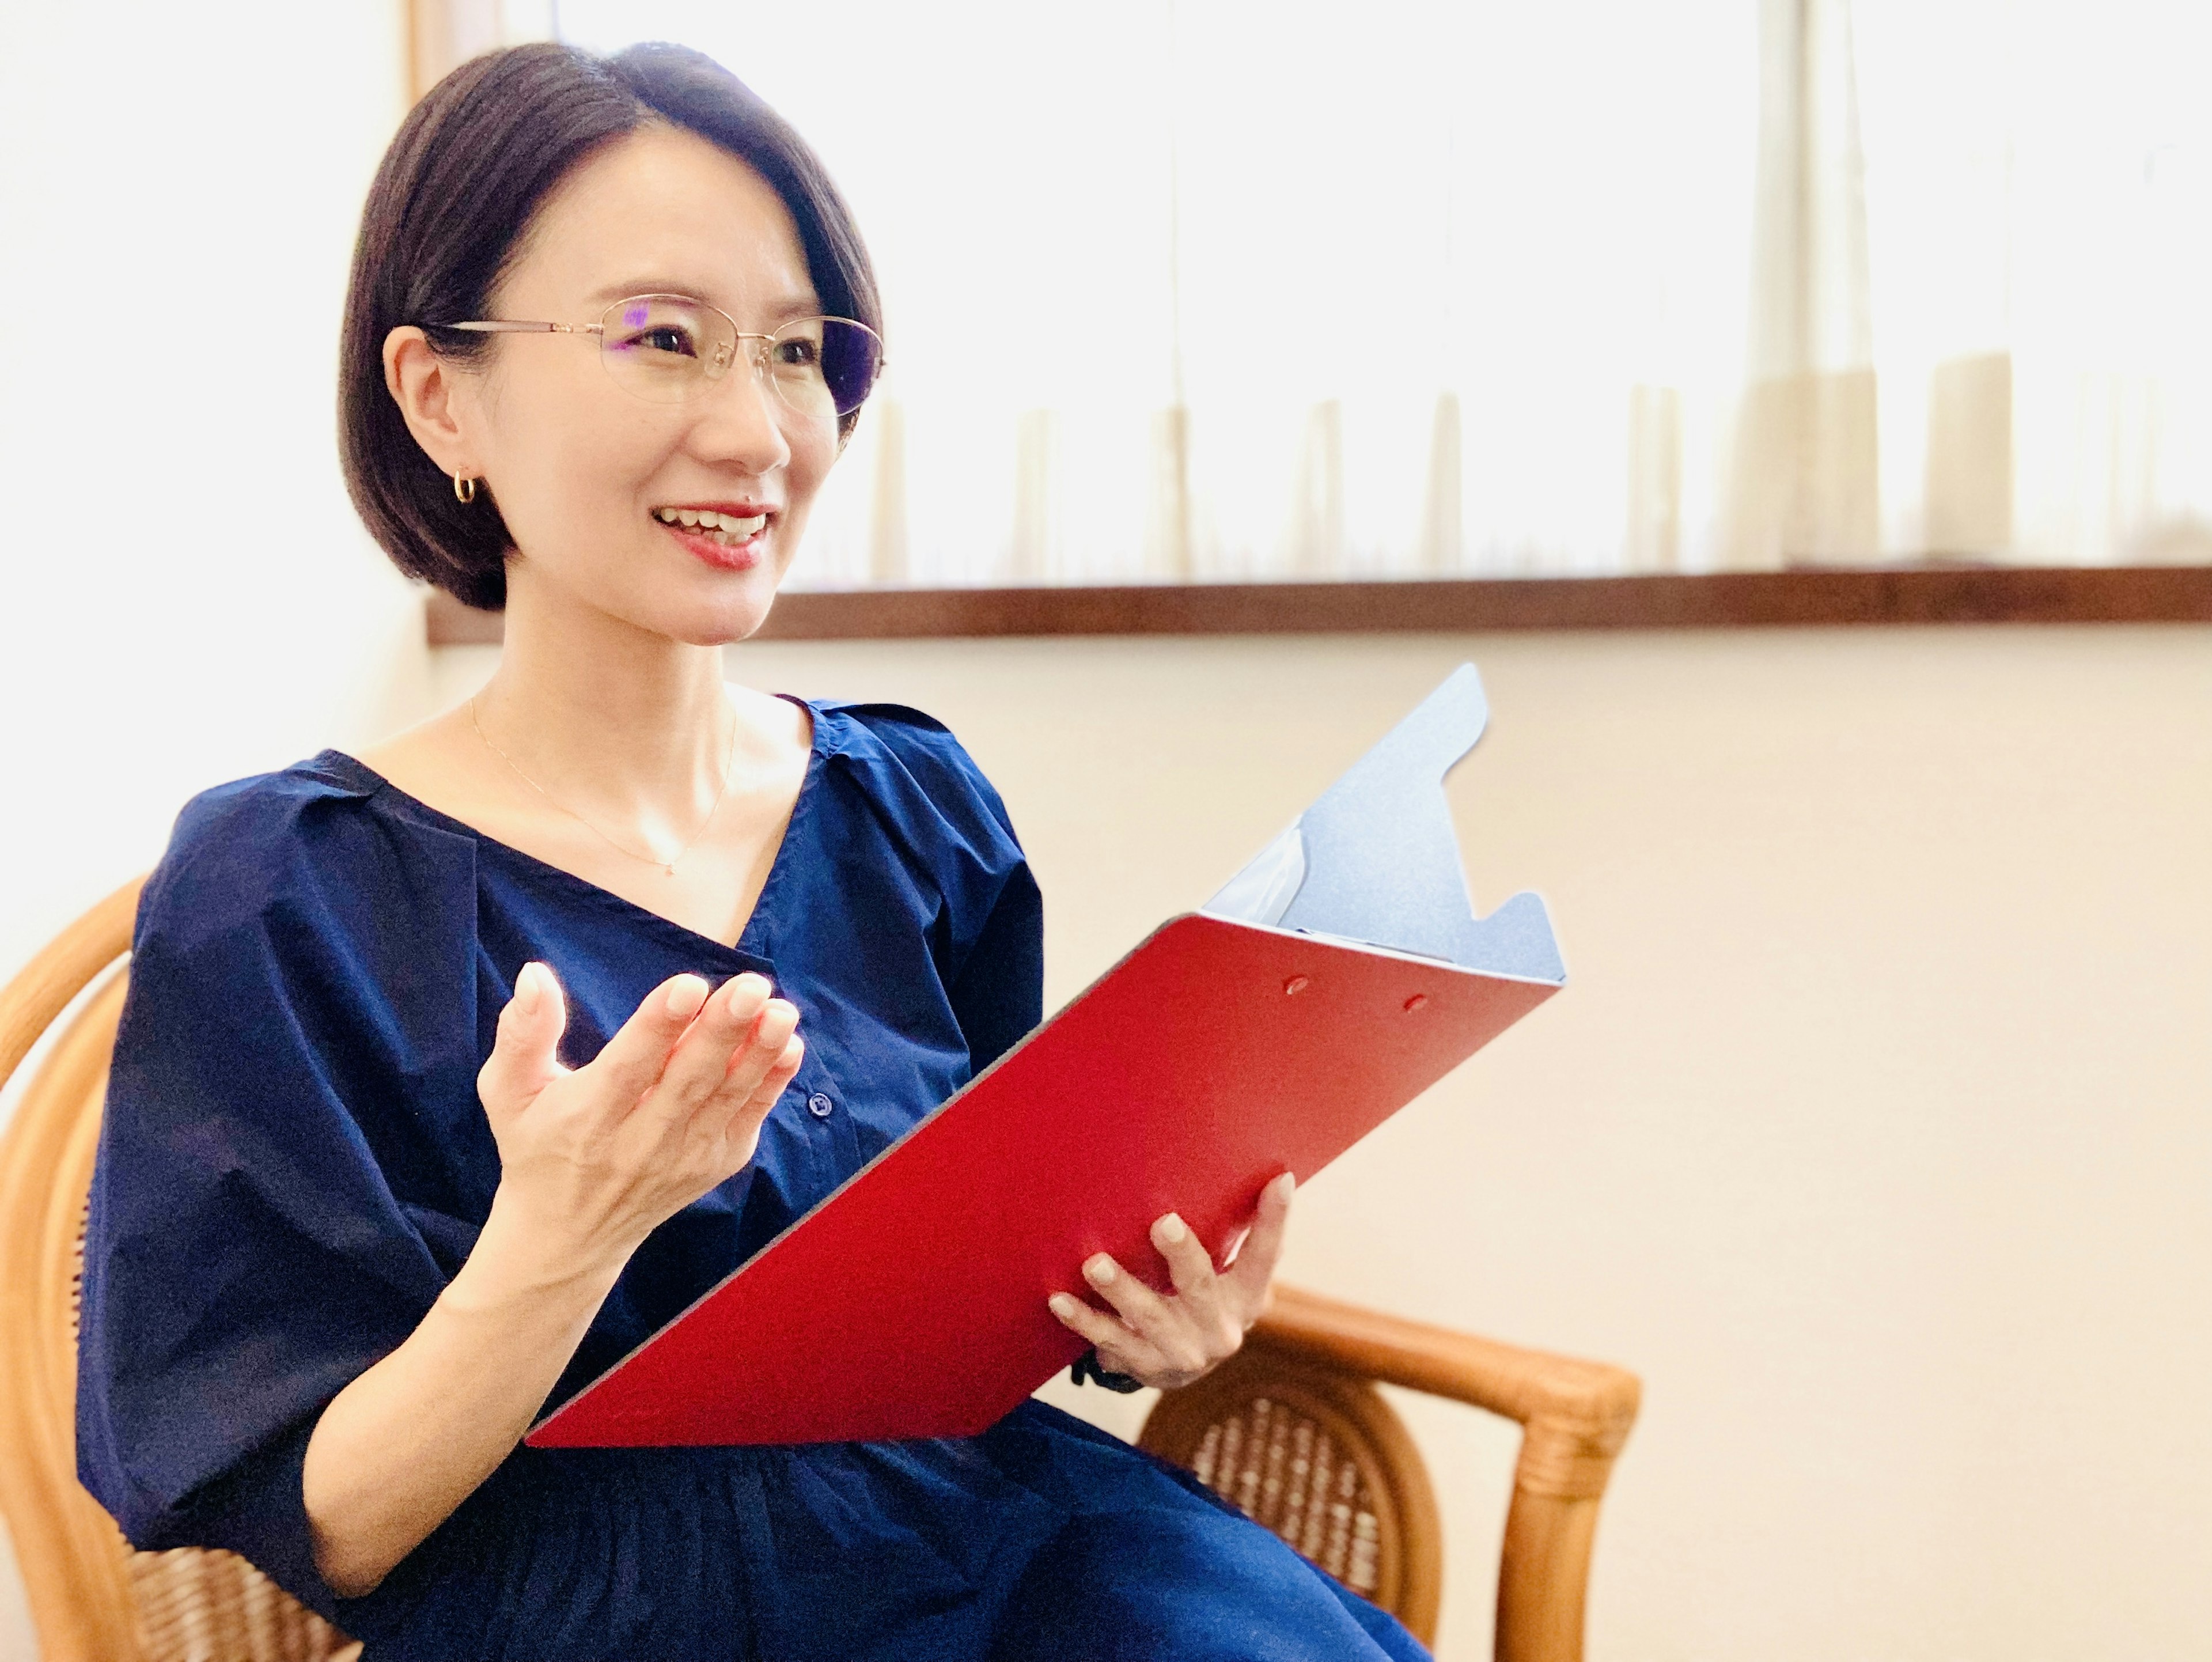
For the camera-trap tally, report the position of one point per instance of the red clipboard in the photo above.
(1221, 1053)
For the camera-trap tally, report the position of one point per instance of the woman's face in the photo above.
(582, 470)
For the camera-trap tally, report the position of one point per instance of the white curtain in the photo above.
(2039, 210)
(1185, 289)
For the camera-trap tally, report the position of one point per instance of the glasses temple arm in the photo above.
(502, 326)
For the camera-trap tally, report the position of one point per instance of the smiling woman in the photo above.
(494, 151)
(550, 433)
(454, 1070)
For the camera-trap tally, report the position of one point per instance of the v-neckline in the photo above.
(742, 947)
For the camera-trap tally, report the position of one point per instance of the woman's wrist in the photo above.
(515, 1257)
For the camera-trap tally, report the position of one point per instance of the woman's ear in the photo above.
(423, 386)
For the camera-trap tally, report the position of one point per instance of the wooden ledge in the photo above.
(1930, 594)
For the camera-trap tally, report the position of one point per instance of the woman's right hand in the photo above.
(592, 1158)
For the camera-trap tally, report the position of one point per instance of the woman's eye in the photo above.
(667, 339)
(801, 354)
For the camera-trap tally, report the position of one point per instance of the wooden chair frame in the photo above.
(86, 1586)
(74, 1560)
(1575, 1418)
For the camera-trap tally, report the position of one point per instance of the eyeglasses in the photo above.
(668, 348)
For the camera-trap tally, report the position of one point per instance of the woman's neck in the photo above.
(603, 715)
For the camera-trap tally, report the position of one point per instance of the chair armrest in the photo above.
(1579, 1413)
(1575, 1415)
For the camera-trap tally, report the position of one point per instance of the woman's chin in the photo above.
(732, 609)
(722, 620)
(727, 593)
(697, 607)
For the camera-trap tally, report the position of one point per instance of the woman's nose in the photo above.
(742, 417)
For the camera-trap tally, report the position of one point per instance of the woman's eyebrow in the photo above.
(608, 294)
(789, 306)
(796, 306)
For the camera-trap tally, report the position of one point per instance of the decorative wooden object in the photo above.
(1291, 1429)
(1932, 593)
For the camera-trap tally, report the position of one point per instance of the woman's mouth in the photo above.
(730, 541)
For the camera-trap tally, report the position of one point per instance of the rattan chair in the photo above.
(1291, 1429)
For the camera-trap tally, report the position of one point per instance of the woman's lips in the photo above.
(722, 555)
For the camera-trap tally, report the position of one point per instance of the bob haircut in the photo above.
(445, 219)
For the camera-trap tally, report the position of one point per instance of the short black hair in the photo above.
(446, 217)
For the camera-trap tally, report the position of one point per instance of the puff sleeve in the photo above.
(293, 1009)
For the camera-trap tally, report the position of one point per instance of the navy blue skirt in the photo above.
(1041, 1538)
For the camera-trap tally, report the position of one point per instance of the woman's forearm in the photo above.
(592, 1159)
(403, 1444)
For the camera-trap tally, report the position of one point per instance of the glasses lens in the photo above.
(824, 368)
(664, 348)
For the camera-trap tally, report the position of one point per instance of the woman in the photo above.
(451, 1072)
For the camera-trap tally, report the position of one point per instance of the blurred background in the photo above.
(1484, 288)
(1875, 1130)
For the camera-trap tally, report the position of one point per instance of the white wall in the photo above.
(185, 594)
(1874, 1128)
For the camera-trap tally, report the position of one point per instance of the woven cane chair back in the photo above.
(1320, 1459)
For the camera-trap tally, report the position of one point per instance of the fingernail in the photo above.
(1061, 1305)
(1286, 1185)
(1170, 1229)
(685, 994)
(1099, 1272)
(528, 991)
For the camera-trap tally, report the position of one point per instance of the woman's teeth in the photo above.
(721, 527)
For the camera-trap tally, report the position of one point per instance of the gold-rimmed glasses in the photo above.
(668, 348)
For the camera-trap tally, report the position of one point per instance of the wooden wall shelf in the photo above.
(1931, 594)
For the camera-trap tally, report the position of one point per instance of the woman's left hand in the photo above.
(1170, 1339)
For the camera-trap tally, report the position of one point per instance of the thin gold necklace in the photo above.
(729, 766)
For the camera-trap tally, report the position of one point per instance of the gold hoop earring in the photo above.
(465, 490)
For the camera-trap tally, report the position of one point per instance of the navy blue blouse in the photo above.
(293, 1163)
